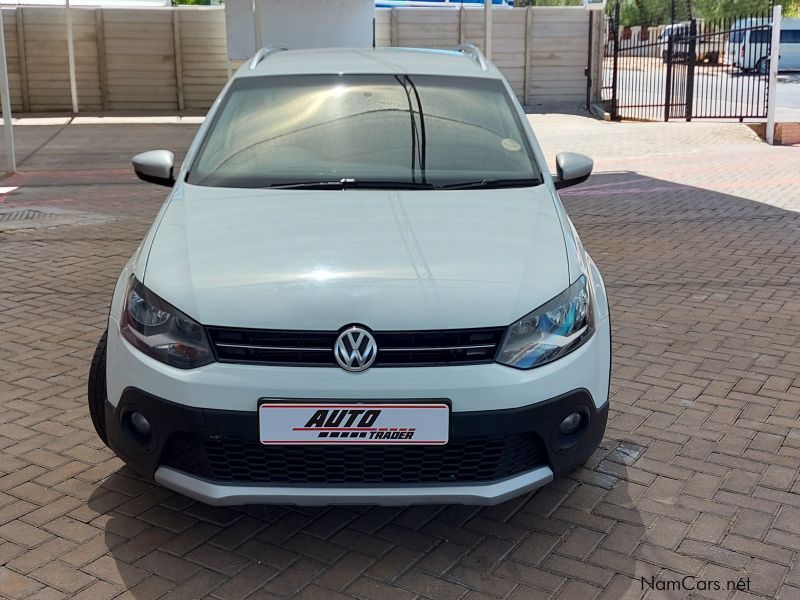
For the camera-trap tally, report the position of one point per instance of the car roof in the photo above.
(393, 61)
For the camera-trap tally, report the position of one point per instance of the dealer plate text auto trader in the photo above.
(362, 288)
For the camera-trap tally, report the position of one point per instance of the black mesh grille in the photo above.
(395, 348)
(465, 459)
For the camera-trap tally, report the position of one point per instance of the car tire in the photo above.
(762, 66)
(97, 389)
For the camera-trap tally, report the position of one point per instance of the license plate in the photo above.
(353, 423)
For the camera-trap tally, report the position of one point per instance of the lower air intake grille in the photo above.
(465, 459)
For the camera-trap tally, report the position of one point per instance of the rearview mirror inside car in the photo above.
(155, 166)
(572, 168)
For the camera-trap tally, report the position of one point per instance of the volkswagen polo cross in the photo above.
(362, 288)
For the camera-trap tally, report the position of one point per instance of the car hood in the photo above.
(390, 260)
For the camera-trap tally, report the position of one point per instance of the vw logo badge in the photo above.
(355, 349)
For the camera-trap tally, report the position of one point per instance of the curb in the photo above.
(786, 134)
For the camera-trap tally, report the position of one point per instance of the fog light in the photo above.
(140, 424)
(141, 433)
(571, 423)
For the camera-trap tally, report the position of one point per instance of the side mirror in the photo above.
(155, 167)
(572, 168)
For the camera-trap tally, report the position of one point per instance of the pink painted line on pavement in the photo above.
(11, 183)
(622, 190)
(74, 174)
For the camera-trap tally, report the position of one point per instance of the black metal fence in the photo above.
(689, 69)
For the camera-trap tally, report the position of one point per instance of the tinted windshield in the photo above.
(760, 36)
(410, 131)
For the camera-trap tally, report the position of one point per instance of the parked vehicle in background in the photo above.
(708, 50)
(749, 48)
(736, 37)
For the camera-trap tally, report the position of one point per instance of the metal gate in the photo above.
(688, 69)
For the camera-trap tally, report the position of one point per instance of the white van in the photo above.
(749, 48)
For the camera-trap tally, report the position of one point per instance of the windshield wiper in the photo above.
(349, 183)
(367, 184)
(491, 184)
(390, 185)
(307, 184)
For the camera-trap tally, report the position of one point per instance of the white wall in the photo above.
(542, 51)
(176, 58)
(297, 24)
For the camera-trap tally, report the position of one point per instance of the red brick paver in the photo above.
(696, 229)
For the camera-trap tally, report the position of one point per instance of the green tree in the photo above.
(658, 12)
(791, 8)
(730, 9)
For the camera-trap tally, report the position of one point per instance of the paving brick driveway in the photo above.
(697, 231)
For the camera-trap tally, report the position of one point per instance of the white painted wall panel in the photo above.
(146, 59)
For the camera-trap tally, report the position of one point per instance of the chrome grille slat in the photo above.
(427, 349)
(276, 348)
(395, 348)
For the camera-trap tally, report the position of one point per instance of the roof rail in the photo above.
(263, 53)
(475, 53)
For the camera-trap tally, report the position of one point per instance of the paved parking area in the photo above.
(696, 227)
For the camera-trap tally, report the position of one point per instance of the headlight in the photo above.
(162, 331)
(550, 331)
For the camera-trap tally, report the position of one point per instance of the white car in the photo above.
(362, 288)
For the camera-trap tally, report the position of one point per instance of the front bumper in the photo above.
(216, 406)
(219, 481)
(386, 495)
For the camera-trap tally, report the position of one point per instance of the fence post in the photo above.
(257, 27)
(775, 45)
(598, 55)
(526, 75)
(668, 83)
(691, 61)
(670, 51)
(176, 35)
(462, 25)
(102, 75)
(73, 83)
(23, 66)
(394, 27)
(614, 99)
(589, 70)
(488, 6)
(5, 102)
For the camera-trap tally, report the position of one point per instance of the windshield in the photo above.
(401, 131)
(760, 36)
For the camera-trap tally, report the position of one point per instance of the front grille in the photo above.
(395, 348)
(464, 459)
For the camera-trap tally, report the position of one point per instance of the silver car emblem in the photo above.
(355, 349)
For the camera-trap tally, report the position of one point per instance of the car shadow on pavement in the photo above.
(577, 531)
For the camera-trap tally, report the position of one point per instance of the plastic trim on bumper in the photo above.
(486, 494)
